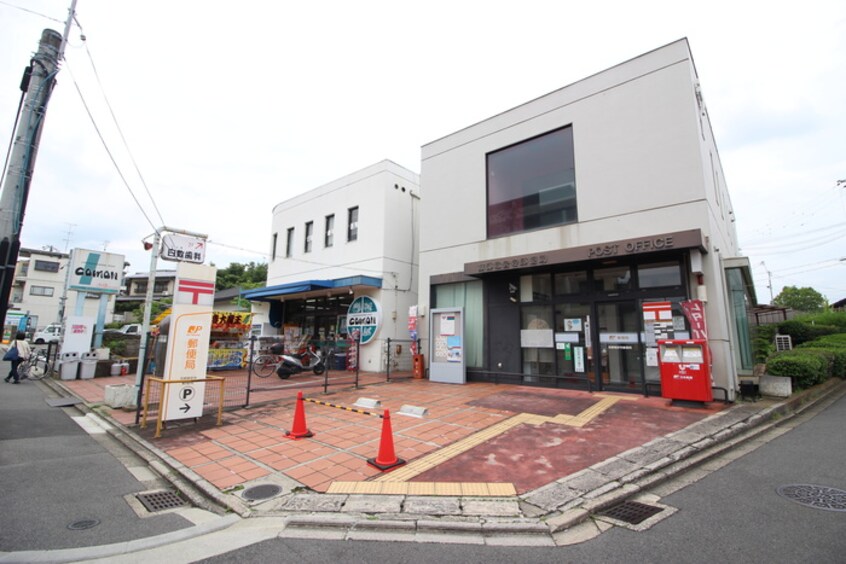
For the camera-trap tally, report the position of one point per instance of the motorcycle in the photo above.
(312, 359)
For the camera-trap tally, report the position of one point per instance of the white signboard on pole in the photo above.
(95, 271)
(188, 341)
(181, 248)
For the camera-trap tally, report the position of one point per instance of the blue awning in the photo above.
(272, 293)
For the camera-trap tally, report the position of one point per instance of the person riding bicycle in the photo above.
(23, 354)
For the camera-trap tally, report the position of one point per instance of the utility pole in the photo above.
(36, 86)
(769, 281)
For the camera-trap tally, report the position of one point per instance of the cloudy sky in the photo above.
(230, 108)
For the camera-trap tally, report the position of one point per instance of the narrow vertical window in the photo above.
(309, 233)
(289, 243)
(273, 247)
(352, 224)
(329, 235)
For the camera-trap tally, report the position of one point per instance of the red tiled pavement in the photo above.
(251, 443)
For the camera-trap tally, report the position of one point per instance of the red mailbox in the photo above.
(685, 370)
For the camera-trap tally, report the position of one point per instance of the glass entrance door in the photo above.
(573, 344)
(620, 358)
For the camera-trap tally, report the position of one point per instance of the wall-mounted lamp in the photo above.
(351, 291)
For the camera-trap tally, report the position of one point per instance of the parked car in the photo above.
(50, 334)
(129, 329)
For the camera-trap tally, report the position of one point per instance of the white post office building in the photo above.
(557, 223)
(355, 237)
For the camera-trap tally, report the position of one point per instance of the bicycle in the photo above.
(265, 364)
(34, 368)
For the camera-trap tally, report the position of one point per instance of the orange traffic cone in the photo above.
(386, 459)
(300, 430)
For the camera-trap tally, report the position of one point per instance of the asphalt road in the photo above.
(54, 474)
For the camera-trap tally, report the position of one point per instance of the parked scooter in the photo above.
(312, 360)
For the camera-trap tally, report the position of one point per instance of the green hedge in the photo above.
(836, 341)
(805, 367)
(803, 332)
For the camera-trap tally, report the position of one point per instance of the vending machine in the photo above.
(685, 370)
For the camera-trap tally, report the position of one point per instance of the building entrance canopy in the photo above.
(273, 293)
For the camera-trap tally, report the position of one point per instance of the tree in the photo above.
(244, 276)
(801, 299)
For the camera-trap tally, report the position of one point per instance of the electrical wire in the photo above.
(14, 131)
(117, 125)
(108, 151)
(31, 12)
(210, 242)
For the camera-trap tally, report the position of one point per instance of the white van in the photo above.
(49, 334)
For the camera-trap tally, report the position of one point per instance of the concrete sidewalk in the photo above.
(487, 463)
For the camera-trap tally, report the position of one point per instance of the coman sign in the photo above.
(95, 272)
(364, 316)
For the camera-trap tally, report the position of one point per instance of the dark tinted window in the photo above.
(532, 184)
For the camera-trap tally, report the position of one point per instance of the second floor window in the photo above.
(329, 236)
(289, 243)
(46, 291)
(273, 247)
(309, 233)
(352, 224)
(47, 265)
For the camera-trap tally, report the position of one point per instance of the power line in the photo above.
(22, 9)
(117, 125)
(210, 242)
(108, 151)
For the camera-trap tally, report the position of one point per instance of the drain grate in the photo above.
(631, 512)
(159, 501)
(262, 492)
(818, 497)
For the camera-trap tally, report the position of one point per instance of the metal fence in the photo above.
(244, 388)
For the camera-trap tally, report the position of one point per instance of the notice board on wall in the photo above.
(446, 356)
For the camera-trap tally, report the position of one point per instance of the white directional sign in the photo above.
(184, 401)
(183, 249)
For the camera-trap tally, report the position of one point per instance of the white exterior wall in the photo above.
(643, 152)
(387, 197)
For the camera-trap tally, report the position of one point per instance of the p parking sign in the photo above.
(364, 315)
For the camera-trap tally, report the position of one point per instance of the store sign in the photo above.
(95, 272)
(183, 249)
(365, 316)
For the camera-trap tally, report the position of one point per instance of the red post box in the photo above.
(685, 369)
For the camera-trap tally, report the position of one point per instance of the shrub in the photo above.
(802, 332)
(116, 347)
(763, 342)
(805, 367)
(834, 348)
(835, 341)
(835, 318)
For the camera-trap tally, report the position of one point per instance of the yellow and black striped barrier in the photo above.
(345, 408)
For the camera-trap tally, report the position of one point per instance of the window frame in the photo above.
(352, 226)
(52, 266)
(309, 236)
(289, 243)
(543, 209)
(329, 231)
(43, 293)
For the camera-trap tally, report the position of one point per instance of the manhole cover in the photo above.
(159, 501)
(818, 497)
(631, 512)
(258, 493)
(83, 524)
